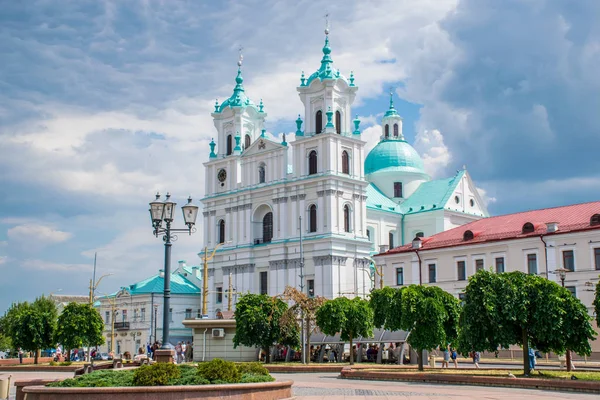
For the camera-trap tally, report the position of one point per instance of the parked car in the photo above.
(102, 357)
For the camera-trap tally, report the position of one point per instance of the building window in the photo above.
(368, 235)
(135, 315)
(345, 162)
(461, 270)
(532, 264)
(499, 264)
(170, 315)
(247, 141)
(312, 162)
(391, 239)
(219, 295)
(456, 199)
(310, 286)
(261, 173)
(397, 189)
(188, 313)
(221, 231)
(597, 258)
(472, 203)
(572, 289)
(468, 235)
(199, 313)
(478, 264)
(528, 228)
(319, 122)
(229, 145)
(399, 276)
(568, 260)
(387, 131)
(124, 315)
(432, 274)
(346, 218)
(312, 218)
(395, 130)
(107, 317)
(338, 122)
(595, 220)
(420, 235)
(142, 314)
(268, 227)
(264, 282)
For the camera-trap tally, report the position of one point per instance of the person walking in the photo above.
(20, 355)
(179, 351)
(188, 352)
(476, 356)
(446, 360)
(454, 357)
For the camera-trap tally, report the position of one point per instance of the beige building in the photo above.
(537, 242)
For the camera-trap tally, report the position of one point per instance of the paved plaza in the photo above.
(327, 386)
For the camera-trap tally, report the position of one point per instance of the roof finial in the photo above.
(241, 58)
(391, 98)
(326, 23)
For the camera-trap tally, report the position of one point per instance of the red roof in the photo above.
(571, 218)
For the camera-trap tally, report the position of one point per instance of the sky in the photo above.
(103, 103)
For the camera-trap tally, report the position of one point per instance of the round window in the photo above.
(457, 199)
(472, 203)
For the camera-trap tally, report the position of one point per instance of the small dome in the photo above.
(395, 155)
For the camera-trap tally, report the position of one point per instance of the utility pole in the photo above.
(302, 334)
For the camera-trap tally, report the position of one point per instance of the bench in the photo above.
(117, 363)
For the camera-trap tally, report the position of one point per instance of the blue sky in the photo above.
(102, 103)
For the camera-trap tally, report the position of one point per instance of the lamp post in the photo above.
(94, 286)
(562, 273)
(164, 211)
(206, 259)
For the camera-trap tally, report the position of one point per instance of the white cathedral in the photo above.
(322, 208)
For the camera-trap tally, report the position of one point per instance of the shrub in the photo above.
(158, 374)
(189, 376)
(252, 378)
(219, 371)
(103, 378)
(53, 363)
(254, 368)
(65, 363)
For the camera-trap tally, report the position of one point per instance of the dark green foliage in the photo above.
(252, 378)
(103, 378)
(254, 368)
(257, 320)
(218, 370)
(65, 363)
(526, 310)
(352, 318)
(79, 325)
(596, 304)
(158, 374)
(189, 376)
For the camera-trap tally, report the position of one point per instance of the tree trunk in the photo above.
(420, 359)
(351, 352)
(35, 357)
(525, 338)
(569, 361)
(267, 355)
(307, 336)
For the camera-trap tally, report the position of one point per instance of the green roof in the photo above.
(156, 284)
(394, 155)
(238, 98)
(432, 195)
(376, 200)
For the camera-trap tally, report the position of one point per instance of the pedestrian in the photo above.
(178, 351)
(454, 357)
(20, 355)
(476, 356)
(446, 360)
(188, 352)
(531, 355)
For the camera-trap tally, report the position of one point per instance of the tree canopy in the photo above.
(79, 325)
(596, 304)
(516, 308)
(257, 318)
(351, 318)
(429, 313)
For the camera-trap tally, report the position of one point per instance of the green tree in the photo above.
(527, 310)
(32, 325)
(596, 304)
(351, 318)
(79, 325)
(257, 318)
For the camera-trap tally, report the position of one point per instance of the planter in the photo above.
(239, 391)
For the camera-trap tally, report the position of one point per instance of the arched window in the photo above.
(319, 122)
(346, 218)
(247, 141)
(387, 131)
(261, 173)
(268, 227)
(221, 231)
(391, 240)
(312, 162)
(229, 145)
(345, 162)
(595, 220)
(395, 130)
(368, 235)
(468, 235)
(528, 228)
(312, 218)
(338, 122)
(420, 234)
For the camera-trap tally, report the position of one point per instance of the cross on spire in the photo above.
(241, 57)
(391, 97)
(327, 23)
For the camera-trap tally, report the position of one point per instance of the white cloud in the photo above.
(3, 259)
(41, 265)
(36, 235)
(371, 135)
(436, 156)
(487, 200)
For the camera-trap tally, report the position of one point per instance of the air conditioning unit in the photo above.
(218, 333)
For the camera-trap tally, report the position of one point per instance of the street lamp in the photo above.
(562, 273)
(164, 211)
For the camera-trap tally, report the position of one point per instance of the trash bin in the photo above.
(432, 361)
(5, 387)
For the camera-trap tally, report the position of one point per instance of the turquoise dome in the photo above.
(393, 155)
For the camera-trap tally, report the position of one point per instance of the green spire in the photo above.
(299, 126)
(261, 106)
(262, 134)
(216, 105)
(329, 114)
(392, 111)
(352, 78)
(212, 149)
(356, 125)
